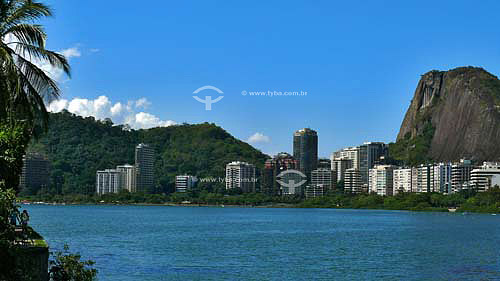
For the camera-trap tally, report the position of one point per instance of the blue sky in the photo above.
(359, 61)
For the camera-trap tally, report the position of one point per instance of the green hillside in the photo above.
(77, 147)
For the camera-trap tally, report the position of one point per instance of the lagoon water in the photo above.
(210, 243)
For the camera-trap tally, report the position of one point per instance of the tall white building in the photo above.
(108, 181)
(127, 173)
(380, 180)
(240, 175)
(352, 181)
(402, 180)
(442, 178)
(427, 178)
(350, 153)
(460, 175)
(486, 176)
(339, 166)
(184, 183)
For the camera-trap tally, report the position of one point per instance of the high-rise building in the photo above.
(35, 173)
(402, 180)
(369, 154)
(323, 177)
(442, 178)
(128, 175)
(381, 180)
(324, 163)
(339, 166)
(486, 176)
(305, 150)
(351, 153)
(108, 181)
(240, 175)
(184, 183)
(427, 178)
(144, 164)
(352, 181)
(272, 168)
(322, 180)
(460, 175)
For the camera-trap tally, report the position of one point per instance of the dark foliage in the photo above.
(77, 147)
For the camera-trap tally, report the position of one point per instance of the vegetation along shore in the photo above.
(465, 201)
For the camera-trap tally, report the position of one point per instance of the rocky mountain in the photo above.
(453, 114)
(77, 147)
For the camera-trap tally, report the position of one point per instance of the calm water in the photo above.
(184, 243)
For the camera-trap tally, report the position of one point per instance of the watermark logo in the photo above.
(295, 178)
(208, 101)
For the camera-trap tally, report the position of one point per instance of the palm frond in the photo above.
(31, 34)
(33, 52)
(26, 11)
(44, 86)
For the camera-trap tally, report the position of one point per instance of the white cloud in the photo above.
(142, 103)
(258, 138)
(94, 50)
(117, 109)
(73, 52)
(57, 105)
(145, 120)
(53, 72)
(102, 108)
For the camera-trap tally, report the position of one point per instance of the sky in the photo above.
(139, 62)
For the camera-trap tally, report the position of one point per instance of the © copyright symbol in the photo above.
(244, 93)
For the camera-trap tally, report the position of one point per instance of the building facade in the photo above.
(184, 183)
(402, 180)
(305, 150)
(381, 180)
(323, 177)
(350, 153)
(485, 176)
(442, 178)
(460, 175)
(369, 154)
(313, 191)
(339, 166)
(128, 174)
(272, 168)
(353, 182)
(144, 164)
(240, 175)
(35, 173)
(108, 181)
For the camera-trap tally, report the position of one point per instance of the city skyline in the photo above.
(345, 56)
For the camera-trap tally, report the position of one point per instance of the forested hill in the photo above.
(77, 147)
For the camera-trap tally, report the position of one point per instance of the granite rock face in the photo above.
(463, 107)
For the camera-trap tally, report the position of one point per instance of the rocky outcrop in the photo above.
(463, 107)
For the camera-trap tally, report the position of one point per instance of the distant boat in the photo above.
(493, 214)
(222, 206)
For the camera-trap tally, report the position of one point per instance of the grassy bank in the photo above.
(470, 201)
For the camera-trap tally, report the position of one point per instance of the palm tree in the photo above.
(24, 86)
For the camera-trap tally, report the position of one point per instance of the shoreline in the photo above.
(270, 206)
